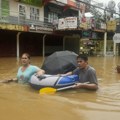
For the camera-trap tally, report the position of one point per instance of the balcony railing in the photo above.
(12, 17)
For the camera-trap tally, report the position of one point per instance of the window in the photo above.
(52, 17)
(22, 10)
(22, 13)
(34, 13)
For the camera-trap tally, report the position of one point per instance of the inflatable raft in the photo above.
(38, 82)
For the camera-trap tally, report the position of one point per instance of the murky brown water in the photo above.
(21, 102)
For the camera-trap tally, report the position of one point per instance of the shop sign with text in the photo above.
(68, 22)
(111, 25)
(13, 27)
(39, 28)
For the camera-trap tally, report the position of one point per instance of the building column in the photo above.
(105, 43)
(44, 47)
(18, 46)
(114, 49)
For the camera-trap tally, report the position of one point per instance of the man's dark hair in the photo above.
(83, 57)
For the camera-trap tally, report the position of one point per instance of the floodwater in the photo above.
(21, 102)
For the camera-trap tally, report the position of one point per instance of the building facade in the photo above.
(41, 27)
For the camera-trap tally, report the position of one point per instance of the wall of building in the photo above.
(14, 10)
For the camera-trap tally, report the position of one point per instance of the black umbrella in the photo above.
(60, 62)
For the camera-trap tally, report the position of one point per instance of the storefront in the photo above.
(8, 41)
(92, 43)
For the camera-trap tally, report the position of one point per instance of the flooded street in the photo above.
(21, 102)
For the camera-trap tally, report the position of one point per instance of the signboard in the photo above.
(68, 22)
(13, 27)
(111, 25)
(38, 28)
(116, 38)
(86, 34)
(61, 23)
(71, 22)
(84, 25)
(62, 1)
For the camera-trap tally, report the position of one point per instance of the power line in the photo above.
(104, 9)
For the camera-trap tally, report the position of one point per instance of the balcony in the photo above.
(15, 18)
(11, 17)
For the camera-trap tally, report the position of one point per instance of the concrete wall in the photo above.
(14, 11)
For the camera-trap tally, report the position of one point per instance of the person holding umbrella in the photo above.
(86, 73)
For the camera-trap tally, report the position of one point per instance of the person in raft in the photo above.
(26, 70)
(86, 73)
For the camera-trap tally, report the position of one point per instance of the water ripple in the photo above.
(110, 94)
